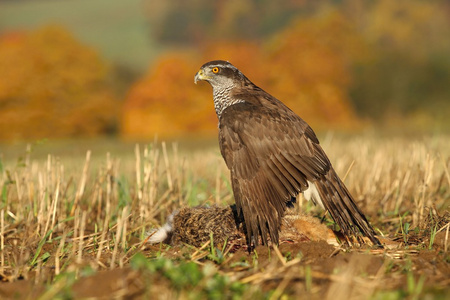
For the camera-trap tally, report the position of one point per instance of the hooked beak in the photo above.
(200, 76)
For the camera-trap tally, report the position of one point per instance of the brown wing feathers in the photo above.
(269, 166)
(262, 176)
(268, 216)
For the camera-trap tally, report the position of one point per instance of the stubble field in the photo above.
(73, 224)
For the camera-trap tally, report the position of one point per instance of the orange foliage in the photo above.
(307, 66)
(311, 68)
(52, 86)
(164, 102)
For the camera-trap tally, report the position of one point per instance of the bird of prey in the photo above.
(273, 155)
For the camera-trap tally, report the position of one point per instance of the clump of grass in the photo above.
(202, 282)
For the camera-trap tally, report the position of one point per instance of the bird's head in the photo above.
(219, 73)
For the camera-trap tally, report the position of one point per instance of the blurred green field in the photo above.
(116, 28)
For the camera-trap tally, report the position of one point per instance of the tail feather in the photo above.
(340, 204)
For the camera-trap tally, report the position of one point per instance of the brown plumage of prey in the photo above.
(273, 155)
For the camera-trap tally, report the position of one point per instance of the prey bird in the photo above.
(273, 155)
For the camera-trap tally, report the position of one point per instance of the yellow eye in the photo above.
(215, 70)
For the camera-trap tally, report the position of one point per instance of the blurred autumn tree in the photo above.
(311, 61)
(307, 66)
(164, 102)
(409, 70)
(52, 86)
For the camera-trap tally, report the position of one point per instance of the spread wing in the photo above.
(271, 156)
